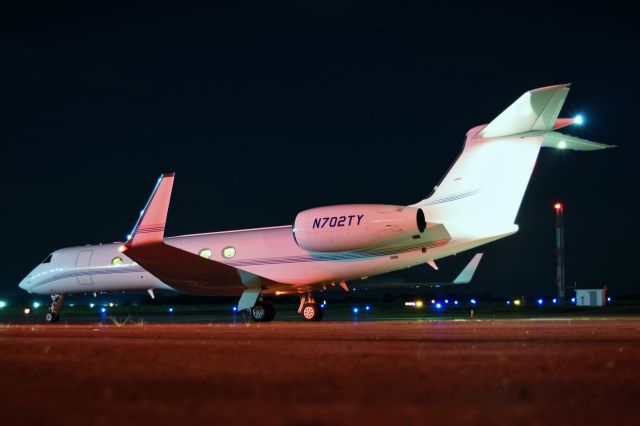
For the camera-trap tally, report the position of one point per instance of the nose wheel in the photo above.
(53, 313)
(52, 317)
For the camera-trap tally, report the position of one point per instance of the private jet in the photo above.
(475, 203)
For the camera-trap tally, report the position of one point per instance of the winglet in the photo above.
(467, 273)
(150, 226)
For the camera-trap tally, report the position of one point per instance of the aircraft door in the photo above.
(84, 261)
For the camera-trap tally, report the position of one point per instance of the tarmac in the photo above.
(459, 372)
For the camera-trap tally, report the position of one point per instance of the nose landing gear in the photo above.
(53, 313)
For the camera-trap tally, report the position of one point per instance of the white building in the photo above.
(591, 297)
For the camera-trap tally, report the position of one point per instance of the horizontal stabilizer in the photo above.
(561, 141)
(535, 110)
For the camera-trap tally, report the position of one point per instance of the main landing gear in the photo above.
(262, 311)
(309, 309)
(53, 313)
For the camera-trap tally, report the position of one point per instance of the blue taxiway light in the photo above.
(367, 308)
(508, 302)
(355, 310)
(103, 310)
(455, 302)
(578, 119)
(36, 305)
(438, 305)
(573, 300)
(608, 299)
(170, 310)
(540, 301)
(555, 300)
(234, 309)
(91, 305)
(473, 301)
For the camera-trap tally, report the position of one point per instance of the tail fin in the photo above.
(486, 184)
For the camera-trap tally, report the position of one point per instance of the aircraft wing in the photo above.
(467, 273)
(178, 268)
(464, 277)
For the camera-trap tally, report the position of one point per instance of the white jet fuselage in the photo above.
(271, 253)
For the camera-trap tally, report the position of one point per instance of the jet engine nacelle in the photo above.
(356, 226)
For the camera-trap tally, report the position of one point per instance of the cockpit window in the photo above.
(48, 259)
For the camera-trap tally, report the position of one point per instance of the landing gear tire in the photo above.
(51, 317)
(262, 312)
(271, 311)
(312, 312)
(53, 314)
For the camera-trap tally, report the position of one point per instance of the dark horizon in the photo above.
(266, 111)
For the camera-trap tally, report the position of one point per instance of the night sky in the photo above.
(263, 110)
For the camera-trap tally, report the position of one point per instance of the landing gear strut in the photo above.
(262, 311)
(309, 309)
(53, 313)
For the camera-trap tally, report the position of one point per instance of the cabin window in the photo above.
(116, 261)
(228, 252)
(48, 259)
(206, 253)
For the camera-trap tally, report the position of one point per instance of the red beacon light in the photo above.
(558, 207)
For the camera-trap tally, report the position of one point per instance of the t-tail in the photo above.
(485, 186)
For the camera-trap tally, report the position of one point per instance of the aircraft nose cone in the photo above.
(24, 284)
